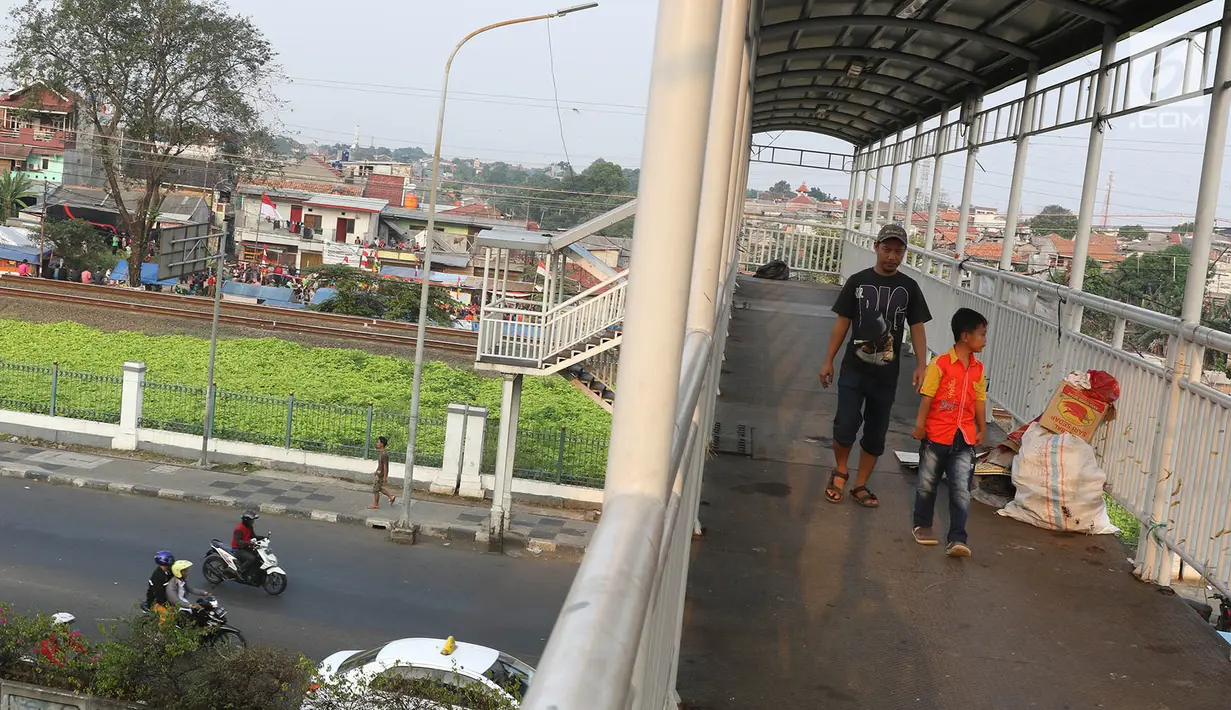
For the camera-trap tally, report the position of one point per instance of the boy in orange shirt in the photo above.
(952, 421)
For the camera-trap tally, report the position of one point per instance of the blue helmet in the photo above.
(164, 558)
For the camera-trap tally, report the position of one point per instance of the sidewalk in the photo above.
(282, 493)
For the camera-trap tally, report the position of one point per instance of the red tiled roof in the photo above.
(325, 164)
(988, 250)
(477, 209)
(801, 199)
(1103, 247)
(385, 187)
(308, 186)
(49, 100)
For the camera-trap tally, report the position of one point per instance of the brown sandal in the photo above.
(833, 493)
(867, 500)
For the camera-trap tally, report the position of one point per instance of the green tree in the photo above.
(751, 194)
(782, 188)
(14, 188)
(80, 244)
(1185, 227)
(166, 75)
(820, 195)
(1133, 231)
(363, 293)
(1053, 219)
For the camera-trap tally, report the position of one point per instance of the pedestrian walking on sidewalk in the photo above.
(381, 476)
(875, 306)
(952, 420)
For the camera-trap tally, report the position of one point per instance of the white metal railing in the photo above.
(518, 329)
(808, 248)
(1029, 352)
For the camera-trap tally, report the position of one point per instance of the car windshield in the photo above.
(359, 659)
(511, 674)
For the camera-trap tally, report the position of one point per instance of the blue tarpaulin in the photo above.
(18, 253)
(322, 295)
(149, 274)
(269, 295)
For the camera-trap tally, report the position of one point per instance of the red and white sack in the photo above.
(1059, 484)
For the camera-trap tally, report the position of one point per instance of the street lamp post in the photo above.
(426, 266)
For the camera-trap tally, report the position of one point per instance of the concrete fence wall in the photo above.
(23, 696)
(459, 473)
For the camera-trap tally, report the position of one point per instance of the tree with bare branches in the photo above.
(155, 81)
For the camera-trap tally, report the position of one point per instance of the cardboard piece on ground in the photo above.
(909, 459)
(1073, 411)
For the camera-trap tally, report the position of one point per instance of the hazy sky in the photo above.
(378, 63)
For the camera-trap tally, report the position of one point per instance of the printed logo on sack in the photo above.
(1163, 67)
(1076, 413)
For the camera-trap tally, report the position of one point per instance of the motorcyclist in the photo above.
(241, 544)
(156, 593)
(178, 588)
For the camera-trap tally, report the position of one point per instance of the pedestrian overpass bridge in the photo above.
(786, 601)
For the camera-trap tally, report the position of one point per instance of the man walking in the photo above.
(875, 306)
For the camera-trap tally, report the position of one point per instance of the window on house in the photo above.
(46, 163)
(350, 226)
(11, 121)
(312, 221)
(59, 123)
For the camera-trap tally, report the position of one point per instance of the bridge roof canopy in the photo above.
(862, 70)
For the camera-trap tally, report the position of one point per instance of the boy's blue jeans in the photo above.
(956, 462)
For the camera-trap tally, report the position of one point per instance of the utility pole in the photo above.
(42, 231)
(1111, 177)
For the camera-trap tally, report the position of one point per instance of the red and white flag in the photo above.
(269, 210)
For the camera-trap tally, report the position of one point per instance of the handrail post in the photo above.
(594, 629)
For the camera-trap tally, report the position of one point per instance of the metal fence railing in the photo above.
(551, 455)
(48, 389)
(812, 251)
(288, 422)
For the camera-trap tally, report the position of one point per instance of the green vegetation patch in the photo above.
(332, 388)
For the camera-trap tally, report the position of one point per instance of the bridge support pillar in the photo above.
(506, 451)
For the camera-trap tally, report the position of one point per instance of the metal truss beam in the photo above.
(837, 75)
(803, 92)
(874, 53)
(836, 22)
(837, 107)
(823, 128)
(818, 159)
(1087, 10)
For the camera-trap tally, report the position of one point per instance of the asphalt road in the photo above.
(91, 552)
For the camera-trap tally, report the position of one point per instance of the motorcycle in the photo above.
(210, 615)
(221, 565)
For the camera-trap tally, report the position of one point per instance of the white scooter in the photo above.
(221, 565)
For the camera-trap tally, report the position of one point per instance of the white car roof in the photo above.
(425, 653)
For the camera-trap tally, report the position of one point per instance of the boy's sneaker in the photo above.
(925, 536)
(957, 549)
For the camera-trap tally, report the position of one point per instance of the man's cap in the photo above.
(892, 231)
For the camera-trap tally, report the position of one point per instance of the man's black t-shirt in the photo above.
(880, 308)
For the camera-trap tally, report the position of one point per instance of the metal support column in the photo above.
(616, 577)
(1154, 563)
(506, 454)
(1089, 183)
(1019, 172)
(968, 186)
(851, 196)
(863, 202)
(929, 234)
(734, 213)
(877, 187)
(893, 181)
(912, 183)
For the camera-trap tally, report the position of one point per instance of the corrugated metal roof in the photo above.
(914, 62)
(346, 202)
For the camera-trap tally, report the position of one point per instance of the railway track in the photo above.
(267, 318)
(245, 314)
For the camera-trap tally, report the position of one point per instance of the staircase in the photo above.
(516, 335)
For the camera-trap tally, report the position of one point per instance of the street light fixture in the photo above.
(426, 267)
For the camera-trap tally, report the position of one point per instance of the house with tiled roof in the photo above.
(989, 251)
(390, 188)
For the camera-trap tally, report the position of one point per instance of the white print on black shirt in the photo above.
(879, 317)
